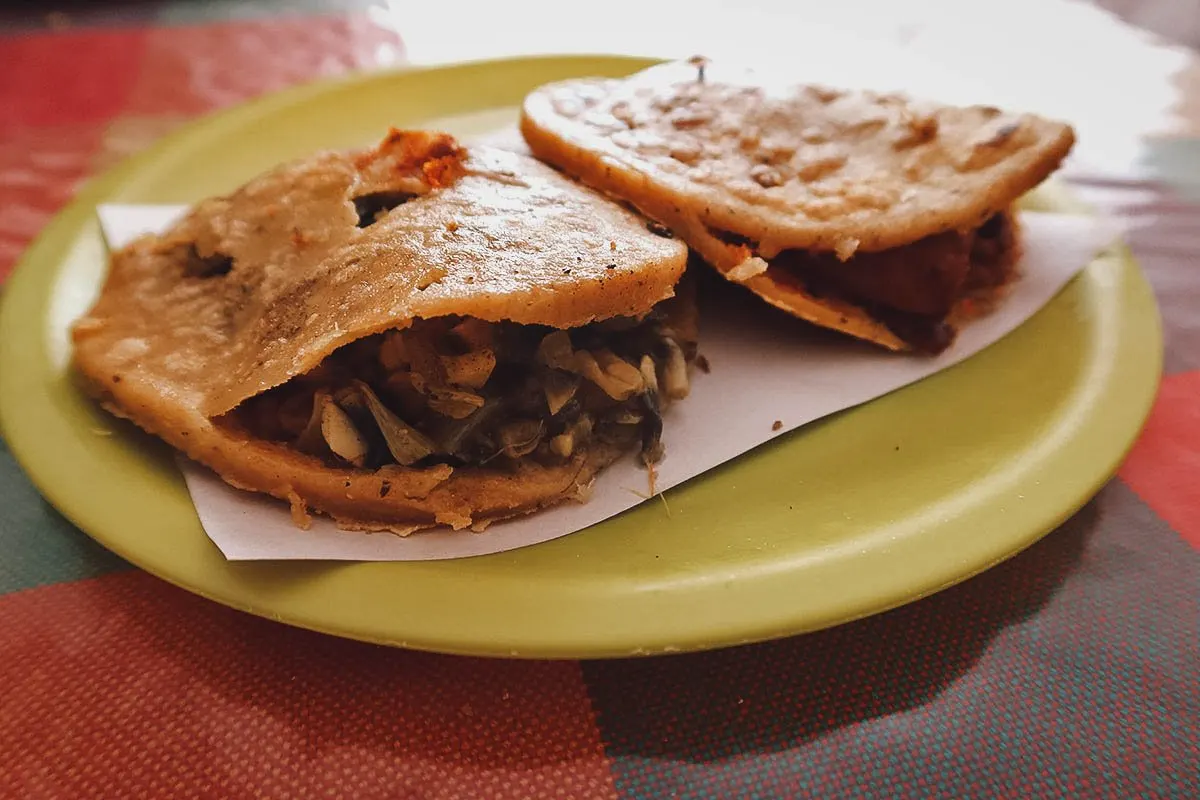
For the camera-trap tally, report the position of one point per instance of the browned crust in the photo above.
(694, 210)
(643, 179)
(497, 236)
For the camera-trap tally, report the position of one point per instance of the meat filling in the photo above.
(461, 391)
(911, 289)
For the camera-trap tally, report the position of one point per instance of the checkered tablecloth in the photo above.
(1072, 670)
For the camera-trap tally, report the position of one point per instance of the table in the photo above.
(1071, 670)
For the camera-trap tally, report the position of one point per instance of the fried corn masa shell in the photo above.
(885, 217)
(271, 288)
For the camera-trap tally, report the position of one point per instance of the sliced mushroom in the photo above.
(586, 363)
(617, 367)
(340, 434)
(563, 445)
(311, 440)
(406, 444)
(559, 387)
(649, 374)
(619, 379)
(555, 351)
(454, 403)
(349, 398)
(577, 433)
(471, 370)
(675, 383)
(460, 432)
(520, 438)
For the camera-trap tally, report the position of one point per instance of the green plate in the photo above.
(861, 512)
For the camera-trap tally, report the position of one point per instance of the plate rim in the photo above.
(70, 223)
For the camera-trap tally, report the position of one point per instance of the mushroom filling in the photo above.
(460, 391)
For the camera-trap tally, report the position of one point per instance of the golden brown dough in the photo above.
(257, 289)
(745, 167)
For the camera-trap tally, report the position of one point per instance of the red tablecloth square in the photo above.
(193, 69)
(126, 684)
(40, 168)
(70, 77)
(1164, 466)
